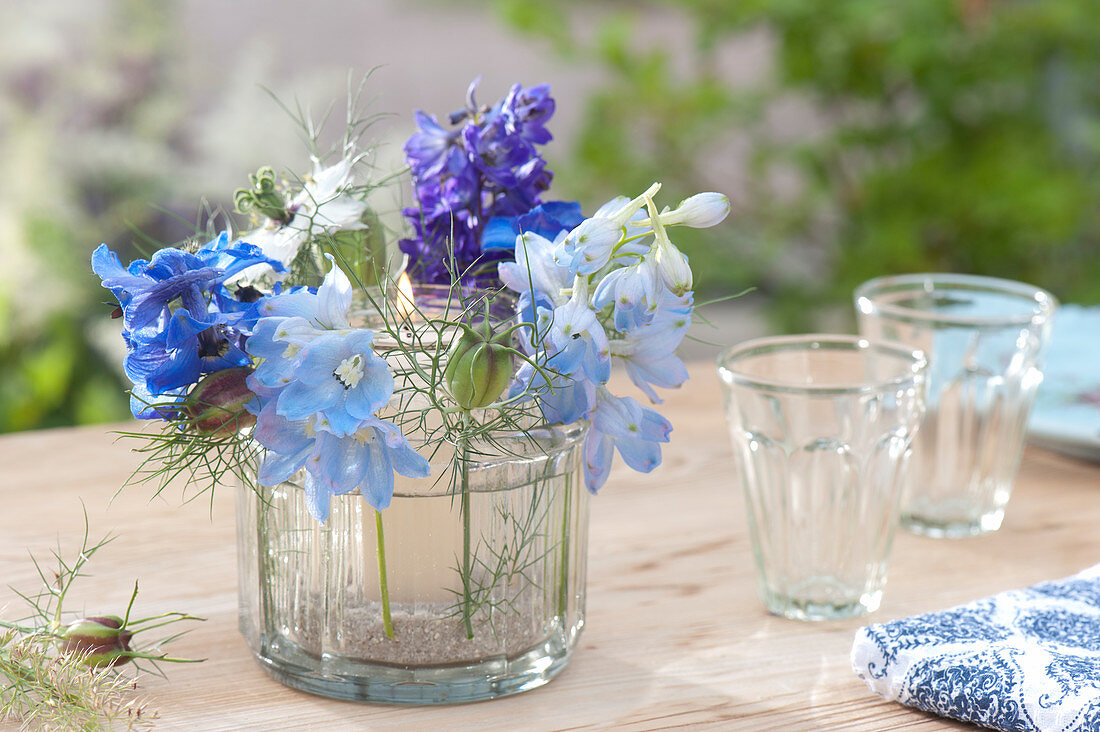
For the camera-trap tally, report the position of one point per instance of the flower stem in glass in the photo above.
(383, 586)
(464, 471)
(563, 587)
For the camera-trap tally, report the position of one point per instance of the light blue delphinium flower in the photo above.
(649, 351)
(318, 389)
(633, 291)
(335, 464)
(588, 248)
(621, 423)
(291, 320)
(324, 309)
(288, 443)
(536, 272)
(365, 459)
(601, 240)
(575, 340)
(340, 377)
(562, 399)
(614, 285)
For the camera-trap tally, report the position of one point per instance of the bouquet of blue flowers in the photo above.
(226, 347)
(274, 355)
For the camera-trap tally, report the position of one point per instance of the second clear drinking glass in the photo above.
(821, 428)
(984, 338)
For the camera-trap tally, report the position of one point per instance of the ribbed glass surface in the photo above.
(985, 339)
(822, 447)
(310, 595)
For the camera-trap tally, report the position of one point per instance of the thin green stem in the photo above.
(464, 470)
(563, 581)
(130, 606)
(383, 585)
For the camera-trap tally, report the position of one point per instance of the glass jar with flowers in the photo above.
(415, 448)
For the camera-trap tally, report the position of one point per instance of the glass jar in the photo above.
(462, 600)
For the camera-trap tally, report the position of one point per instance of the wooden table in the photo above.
(676, 637)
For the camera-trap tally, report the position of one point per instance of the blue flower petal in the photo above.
(318, 498)
(341, 462)
(377, 485)
(300, 400)
(597, 460)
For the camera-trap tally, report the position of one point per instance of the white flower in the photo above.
(672, 264)
(323, 206)
(276, 241)
(324, 201)
(701, 211)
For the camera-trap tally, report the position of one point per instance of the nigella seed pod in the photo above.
(479, 367)
(216, 404)
(101, 641)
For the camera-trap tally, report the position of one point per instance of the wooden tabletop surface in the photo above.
(676, 636)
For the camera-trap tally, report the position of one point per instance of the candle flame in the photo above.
(404, 303)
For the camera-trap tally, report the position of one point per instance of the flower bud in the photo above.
(262, 197)
(479, 367)
(216, 404)
(101, 641)
(699, 212)
(673, 268)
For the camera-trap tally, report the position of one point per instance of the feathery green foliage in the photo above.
(48, 684)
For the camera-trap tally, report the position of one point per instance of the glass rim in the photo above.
(915, 358)
(1043, 303)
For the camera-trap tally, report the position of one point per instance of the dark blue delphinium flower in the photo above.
(429, 151)
(547, 220)
(487, 167)
(174, 327)
(527, 110)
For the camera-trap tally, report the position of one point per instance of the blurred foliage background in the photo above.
(87, 120)
(855, 137)
(944, 135)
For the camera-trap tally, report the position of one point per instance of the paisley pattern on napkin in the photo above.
(1021, 660)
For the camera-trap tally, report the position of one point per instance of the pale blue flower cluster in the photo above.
(612, 288)
(319, 387)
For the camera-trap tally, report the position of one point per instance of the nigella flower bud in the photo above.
(216, 404)
(101, 641)
(262, 197)
(479, 366)
(699, 211)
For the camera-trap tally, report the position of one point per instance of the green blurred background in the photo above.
(855, 137)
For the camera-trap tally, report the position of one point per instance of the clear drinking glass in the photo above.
(984, 338)
(821, 428)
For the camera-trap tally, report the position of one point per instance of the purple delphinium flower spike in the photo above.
(487, 167)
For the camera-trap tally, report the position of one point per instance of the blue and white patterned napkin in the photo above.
(1021, 660)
